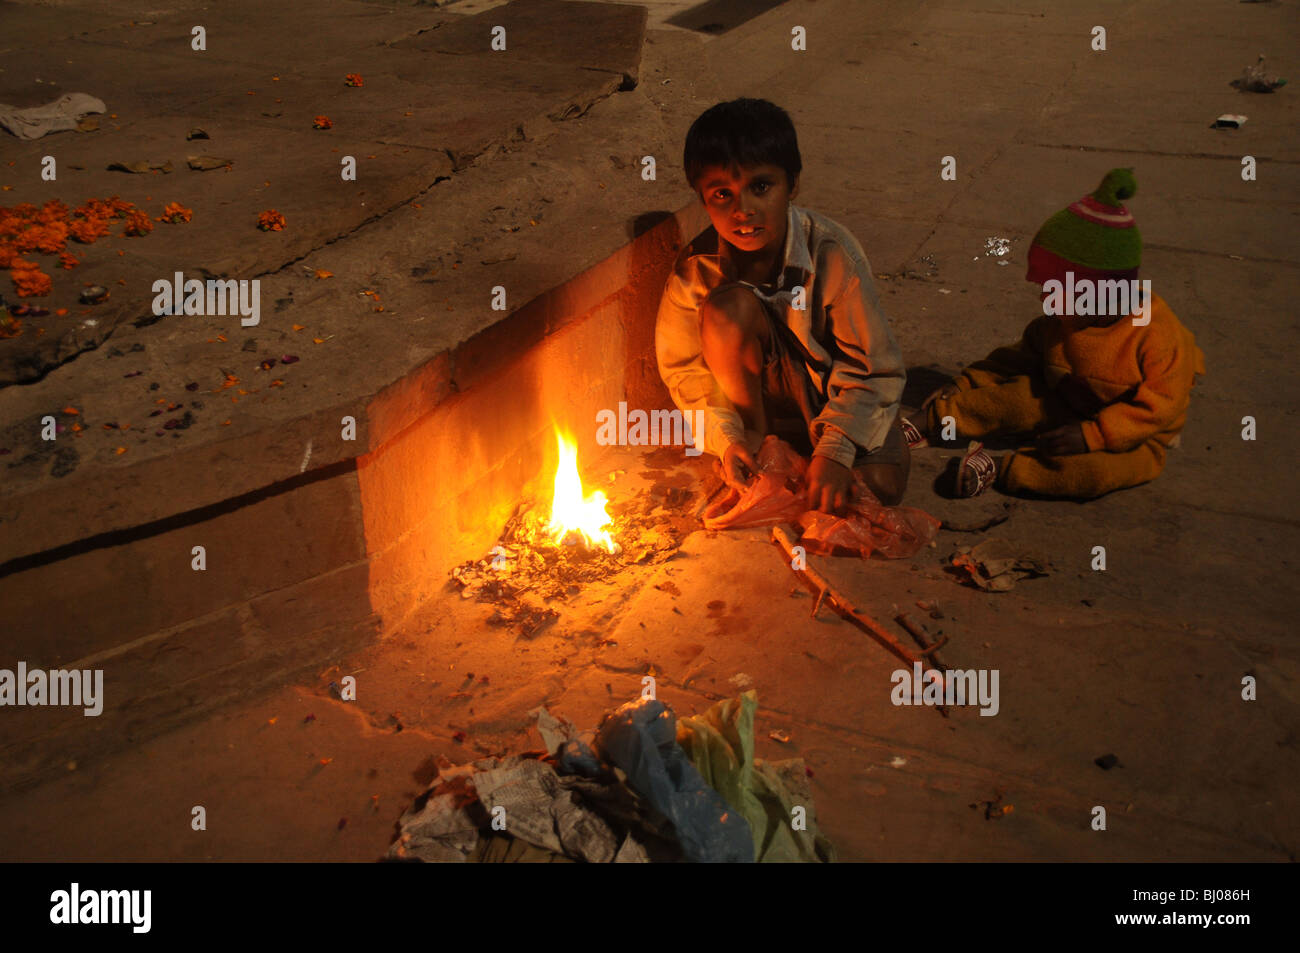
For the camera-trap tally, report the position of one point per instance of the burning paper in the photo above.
(571, 510)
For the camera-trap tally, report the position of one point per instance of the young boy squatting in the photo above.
(730, 340)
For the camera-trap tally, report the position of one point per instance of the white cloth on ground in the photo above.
(58, 116)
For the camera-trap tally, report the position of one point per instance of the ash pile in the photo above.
(527, 571)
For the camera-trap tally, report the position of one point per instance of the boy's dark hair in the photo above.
(746, 132)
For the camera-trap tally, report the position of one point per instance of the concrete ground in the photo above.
(1144, 661)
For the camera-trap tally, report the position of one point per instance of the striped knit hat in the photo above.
(1096, 234)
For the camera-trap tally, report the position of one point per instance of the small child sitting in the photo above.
(1105, 395)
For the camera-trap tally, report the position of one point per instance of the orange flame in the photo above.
(572, 510)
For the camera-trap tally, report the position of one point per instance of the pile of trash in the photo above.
(1253, 79)
(995, 565)
(643, 788)
(779, 494)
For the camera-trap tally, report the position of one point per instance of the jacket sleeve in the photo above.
(866, 378)
(1168, 371)
(688, 379)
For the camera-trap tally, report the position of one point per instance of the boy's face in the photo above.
(748, 206)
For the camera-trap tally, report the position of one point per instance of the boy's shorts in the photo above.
(791, 397)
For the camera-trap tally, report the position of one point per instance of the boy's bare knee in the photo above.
(733, 309)
(886, 481)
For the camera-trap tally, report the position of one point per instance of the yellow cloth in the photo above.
(1129, 385)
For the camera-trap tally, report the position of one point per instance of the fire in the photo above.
(571, 510)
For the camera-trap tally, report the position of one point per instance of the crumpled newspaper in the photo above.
(995, 565)
(62, 115)
(1253, 79)
(570, 747)
(530, 801)
(544, 815)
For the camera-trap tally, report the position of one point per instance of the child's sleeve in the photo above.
(1168, 371)
(692, 385)
(865, 383)
(1025, 357)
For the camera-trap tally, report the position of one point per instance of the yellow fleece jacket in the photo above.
(1128, 383)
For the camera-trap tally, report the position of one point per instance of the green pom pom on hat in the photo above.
(1097, 231)
(1118, 185)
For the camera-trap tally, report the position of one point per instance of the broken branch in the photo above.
(928, 649)
(827, 593)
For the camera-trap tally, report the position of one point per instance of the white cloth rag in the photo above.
(58, 116)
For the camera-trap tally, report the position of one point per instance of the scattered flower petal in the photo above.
(176, 214)
(270, 221)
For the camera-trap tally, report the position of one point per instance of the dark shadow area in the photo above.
(719, 16)
(923, 381)
(645, 222)
(119, 537)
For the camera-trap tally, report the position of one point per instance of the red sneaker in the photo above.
(977, 472)
(912, 435)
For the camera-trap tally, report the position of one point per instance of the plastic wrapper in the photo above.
(641, 739)
(869, 527)
(779, 494)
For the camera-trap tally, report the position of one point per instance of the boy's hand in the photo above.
(947, 390)
(1063, 441)
(738, 465)
(828, 485)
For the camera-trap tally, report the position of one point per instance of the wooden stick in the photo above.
(826, 593)
(930, 649)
